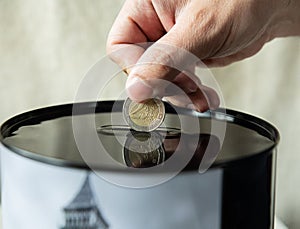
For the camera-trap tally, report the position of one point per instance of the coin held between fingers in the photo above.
(138, 90)
(144, 117)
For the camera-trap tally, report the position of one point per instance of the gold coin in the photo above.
(146, 116)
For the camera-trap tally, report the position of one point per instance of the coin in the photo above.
(146, 116)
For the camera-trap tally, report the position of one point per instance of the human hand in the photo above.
(217, 32)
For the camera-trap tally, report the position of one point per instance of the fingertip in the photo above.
(213, 99)
(191, 106)
(204, 99)
(203, 106)
(137, 89)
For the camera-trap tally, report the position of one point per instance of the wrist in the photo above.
(287, 19)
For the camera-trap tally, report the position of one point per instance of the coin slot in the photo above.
(119, 130)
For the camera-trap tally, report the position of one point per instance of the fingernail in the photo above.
(213, 99)
(191, 106)
(137, 89)
(192, 88)
(214, 103)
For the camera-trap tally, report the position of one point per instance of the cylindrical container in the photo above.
(79, 166)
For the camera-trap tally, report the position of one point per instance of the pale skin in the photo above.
(218, 32)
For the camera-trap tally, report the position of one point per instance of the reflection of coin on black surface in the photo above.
(137, 149)
(143, 150)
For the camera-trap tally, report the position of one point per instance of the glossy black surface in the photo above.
(47, 134)
(249, 193)
(246, 157)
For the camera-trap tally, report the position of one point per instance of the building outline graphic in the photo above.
(83, 211)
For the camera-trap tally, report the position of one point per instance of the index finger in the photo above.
(136, 23)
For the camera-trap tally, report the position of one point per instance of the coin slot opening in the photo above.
(119, 130)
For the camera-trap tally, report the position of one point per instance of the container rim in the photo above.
(36, 116)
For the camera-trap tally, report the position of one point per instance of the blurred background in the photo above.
(47, 46)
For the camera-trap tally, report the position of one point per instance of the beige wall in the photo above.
(267, 85)
(47, 46)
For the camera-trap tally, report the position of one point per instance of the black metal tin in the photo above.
(248, 180)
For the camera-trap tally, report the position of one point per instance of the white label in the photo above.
(34, 195)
